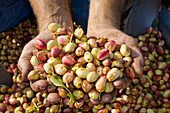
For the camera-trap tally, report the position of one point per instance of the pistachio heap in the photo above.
(149, 94)
(53, 92)
(13, 40)
(86, 66)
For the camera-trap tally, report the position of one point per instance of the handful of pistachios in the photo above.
(77, 71)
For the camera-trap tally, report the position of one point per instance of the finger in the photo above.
(137, 67)
(122, 83)
(25, 67)
(24, 60)
(137, 63)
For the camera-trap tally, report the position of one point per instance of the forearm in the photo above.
(105, 13)
(49, 11)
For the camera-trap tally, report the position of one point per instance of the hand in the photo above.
(121, 38)
(24, 60)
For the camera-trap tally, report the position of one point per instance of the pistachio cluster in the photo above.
(87, 66)
(55, 92)
(12, 42)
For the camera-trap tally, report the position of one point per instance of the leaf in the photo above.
(71, 101)
(58, 82)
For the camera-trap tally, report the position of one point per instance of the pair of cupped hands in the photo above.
(108, 32)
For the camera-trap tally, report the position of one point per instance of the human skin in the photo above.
(46, 12)
(104, 21)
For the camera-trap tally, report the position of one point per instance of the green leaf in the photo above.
(71, 101)
(58, 82)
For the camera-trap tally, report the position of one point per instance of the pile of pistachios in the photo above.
(77, 71)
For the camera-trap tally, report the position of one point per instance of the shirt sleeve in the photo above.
(12, 12)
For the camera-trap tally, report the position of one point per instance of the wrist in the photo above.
(63, 20)
(52, 11)
(60, 16)
(105, 13)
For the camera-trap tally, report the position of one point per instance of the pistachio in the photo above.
(84, 38)
(103, 54)
(110, 45)
(130, 73)
(41, 55)
(92, 76)
(109, 87)
(111, 55)
(62, 92)
(93, 94)
(78, 94)
(60, 69)
(70, 47)
(82, 72)
(117, 63)
(106, 97)
(84, 45)
(86, 86)
(51, 44)
(34, 61)
(106, 70)
(101, 84)
(117, 55)
(88, 57)
(79, 51)
(40, 44)
(91, 67)
(53, 27)
(54, 109)
(106, 62)
(33, 75)
(79, 33)
(79, 104)
(53, 98)
(81, 60)
(63, 40)
(127, 60)
(95, 52)
(76, 66)
(113, 74)
(77, 82)
(39, 68)
(54, 61)
(92, 42)
(68, 77)
(55, 51)
(68, 60)
(96, 62)
(48, 68)
(100, 70)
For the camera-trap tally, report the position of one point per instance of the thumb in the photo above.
(25, 67)
(122, 83)
(137, 66)
(24, 61)
(138, 62)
